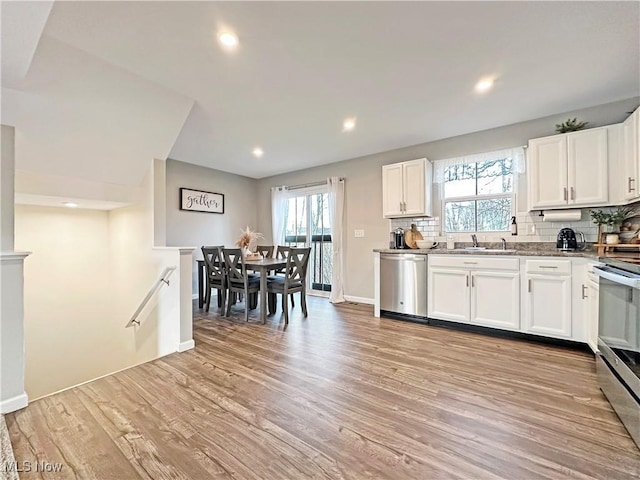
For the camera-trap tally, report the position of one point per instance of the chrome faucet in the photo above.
(504, 243)
(475, 239)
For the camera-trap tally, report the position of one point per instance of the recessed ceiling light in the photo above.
(349, 124)
(70, 204)
(257, 152)
(228, 39)
(484, 85)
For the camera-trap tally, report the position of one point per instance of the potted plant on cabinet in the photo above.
(613, 219)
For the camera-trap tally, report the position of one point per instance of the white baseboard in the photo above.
(365, 300)
(14, 403)
(188, 345)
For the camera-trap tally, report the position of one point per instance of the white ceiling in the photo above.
(406, 70)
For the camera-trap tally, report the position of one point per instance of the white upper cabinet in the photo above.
(569, 170)
(406, 189)
(547, 173)
(631, 156)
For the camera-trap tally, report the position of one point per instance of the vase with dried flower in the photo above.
(248, 241)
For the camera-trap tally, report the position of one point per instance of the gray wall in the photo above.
(7, 174)
(195, 228)
(363, 187)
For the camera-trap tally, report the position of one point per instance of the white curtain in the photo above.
(516, 154)
(336, 217)
(279, 199)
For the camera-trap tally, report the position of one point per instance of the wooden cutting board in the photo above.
(411, 236)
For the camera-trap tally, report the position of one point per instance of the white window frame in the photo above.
(471, 198)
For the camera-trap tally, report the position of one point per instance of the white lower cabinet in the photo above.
(495, 299)
(448, 294)
(593, 305)
(546, 297)
(547, 305)
(476, 290)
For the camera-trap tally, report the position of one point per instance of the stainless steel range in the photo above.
(618, 361)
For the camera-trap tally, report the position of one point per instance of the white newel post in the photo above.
(12, 393)
(186, 303)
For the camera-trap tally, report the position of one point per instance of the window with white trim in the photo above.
(478, 196)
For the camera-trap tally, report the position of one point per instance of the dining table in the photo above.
(264, 266)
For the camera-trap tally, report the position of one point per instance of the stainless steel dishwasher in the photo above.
(403, 284)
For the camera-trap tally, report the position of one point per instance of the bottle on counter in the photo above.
(451, 244)
(514, 226)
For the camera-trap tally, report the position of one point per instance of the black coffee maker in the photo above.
(396, 239)
(567, 241)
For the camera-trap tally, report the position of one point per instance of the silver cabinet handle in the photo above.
(548, 266)
(529, 285)
(467, 277)
(584, 289)
(470, 263)
(565, 194)
(473, 282)
(629, 187)
(573, 194)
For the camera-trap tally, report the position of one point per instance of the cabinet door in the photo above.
(547, 305)
(495, 299)
(547, 176)
(631, 156)
(414, 188)
(588, 167)
(592, 314)
(448, 294)
(392, 190)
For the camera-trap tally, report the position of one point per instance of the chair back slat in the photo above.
(297, 263)
(282, 252)
(213, 262)
(234, 263)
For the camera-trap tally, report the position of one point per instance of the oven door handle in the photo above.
(620, 279)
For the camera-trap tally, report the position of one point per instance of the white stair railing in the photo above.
(164, 279)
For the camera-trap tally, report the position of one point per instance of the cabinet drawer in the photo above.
(548, 267)
(474, 262)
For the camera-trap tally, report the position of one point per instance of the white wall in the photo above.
(7, 173)
(91, 270)
(197, 228)
(70, 332)
(363, 187)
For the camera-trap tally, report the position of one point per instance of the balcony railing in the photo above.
(320, 260)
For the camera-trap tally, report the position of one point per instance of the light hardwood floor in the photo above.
(339, 394)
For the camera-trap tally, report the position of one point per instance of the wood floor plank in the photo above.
(339, 395)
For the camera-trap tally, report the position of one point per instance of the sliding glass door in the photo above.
(308, 225)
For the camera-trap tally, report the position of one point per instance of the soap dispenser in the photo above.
(514, 226)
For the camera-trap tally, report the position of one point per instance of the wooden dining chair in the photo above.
(293, 281)
(239, 280)
(265, 250)
(216, 275)
(282, 252)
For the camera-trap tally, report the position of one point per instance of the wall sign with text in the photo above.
(199, 201)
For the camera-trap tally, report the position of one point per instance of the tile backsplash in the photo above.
(531, 228)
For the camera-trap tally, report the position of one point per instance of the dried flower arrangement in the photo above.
(249, 239)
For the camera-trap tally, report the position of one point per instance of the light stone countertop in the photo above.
(523, 249)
